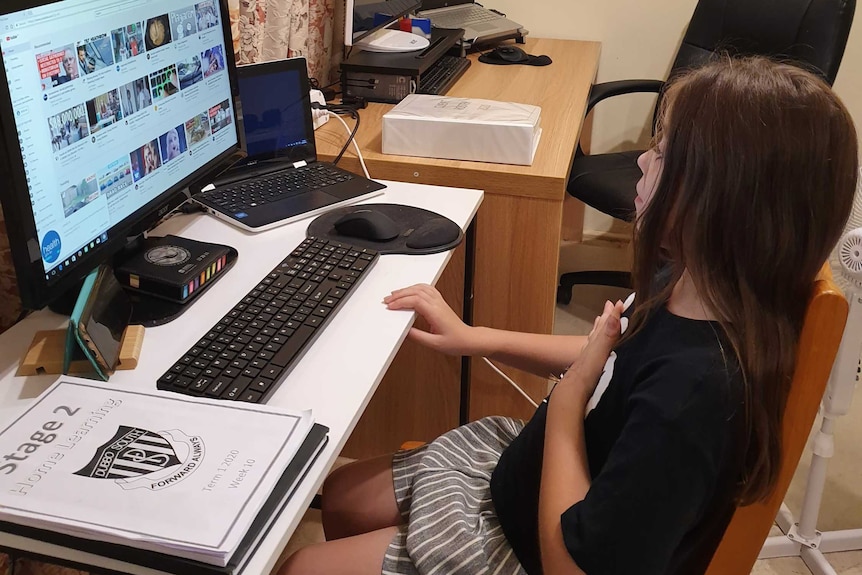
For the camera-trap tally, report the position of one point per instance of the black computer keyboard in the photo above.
(273, 187)
(442, 74)
(254, 346)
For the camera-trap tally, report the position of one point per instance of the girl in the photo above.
(669, 414)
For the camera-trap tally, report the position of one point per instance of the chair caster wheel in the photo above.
(564, 295)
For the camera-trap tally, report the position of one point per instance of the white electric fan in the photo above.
(802, 539)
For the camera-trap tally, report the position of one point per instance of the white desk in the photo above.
(335, 379)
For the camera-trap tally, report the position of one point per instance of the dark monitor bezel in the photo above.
(35, 291)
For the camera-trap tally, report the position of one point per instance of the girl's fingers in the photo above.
(418, 289)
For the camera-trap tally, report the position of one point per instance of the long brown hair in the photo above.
(759, 169)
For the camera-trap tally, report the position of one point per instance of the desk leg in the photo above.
(418, 399)
(467, 316)
(517, 253)
(573, 219)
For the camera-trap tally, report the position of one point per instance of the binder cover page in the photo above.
(155, 470)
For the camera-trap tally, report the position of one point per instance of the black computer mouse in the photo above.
(367, 225)
(511, 54)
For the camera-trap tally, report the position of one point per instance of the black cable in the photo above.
(355, 115)
(328, 93)
(314, 83)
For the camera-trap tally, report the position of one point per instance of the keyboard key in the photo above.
(200, 385)
(233, 392)
(294, 344)
(218, 386)
(261, 384)
(251, 396)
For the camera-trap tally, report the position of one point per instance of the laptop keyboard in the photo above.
(462, 17)
(261, 190)
(249, 351)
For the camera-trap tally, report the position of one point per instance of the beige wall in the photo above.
(639, 40)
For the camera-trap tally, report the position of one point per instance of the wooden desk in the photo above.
(519, 223)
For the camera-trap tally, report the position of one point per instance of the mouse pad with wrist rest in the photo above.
(505, 55)
(421, 231)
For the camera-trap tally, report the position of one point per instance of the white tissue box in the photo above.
(462, 129)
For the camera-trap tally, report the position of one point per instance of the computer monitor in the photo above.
(359, 16)
(109, 110)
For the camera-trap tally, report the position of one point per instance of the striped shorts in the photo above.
(443, 492)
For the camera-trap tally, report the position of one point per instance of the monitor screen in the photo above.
(109, 108)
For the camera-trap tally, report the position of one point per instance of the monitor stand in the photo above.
(149, 310)
(387, 40)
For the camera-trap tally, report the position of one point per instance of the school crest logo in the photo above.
(139, 458)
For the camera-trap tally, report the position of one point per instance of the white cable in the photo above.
(355, 145)
(515, 385)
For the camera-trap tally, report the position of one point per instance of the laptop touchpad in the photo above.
(483, 27)
(303, 203)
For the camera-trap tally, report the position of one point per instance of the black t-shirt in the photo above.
(662, 450)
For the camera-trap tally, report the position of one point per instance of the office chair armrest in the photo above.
(606, 90)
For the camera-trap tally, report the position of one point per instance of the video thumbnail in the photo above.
(183, 23)
(173, 143)
(115, 176)
(198, 129)
(190, 72)
(158, 32)
(145, 160)
(57, 66)
(76, 196)
(136, 96)
(94, 54)
(213, 61)
(164, 83)
(220, 116)
(207, 14)
(104, 110)
(68, 127)
(127, 42)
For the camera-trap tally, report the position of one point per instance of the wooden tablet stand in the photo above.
(48, 348)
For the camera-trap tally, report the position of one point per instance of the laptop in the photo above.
(479, 23)
(281, 180)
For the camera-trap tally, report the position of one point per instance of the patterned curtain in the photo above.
(266, 30)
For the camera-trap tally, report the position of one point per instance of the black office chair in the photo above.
(812, 33)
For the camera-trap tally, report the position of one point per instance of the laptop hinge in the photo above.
(300, 164)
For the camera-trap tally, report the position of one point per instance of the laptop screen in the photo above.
(276, 111)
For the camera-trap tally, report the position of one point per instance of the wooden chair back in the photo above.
(818, 345)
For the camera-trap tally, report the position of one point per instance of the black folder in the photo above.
(284, 488)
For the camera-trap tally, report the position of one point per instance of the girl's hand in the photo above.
(584, 373)
(448, 334)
